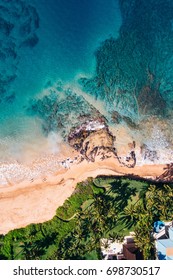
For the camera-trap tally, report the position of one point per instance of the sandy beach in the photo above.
(36, 201)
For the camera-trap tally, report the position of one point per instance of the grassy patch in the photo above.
(82, 193)
(86, 204)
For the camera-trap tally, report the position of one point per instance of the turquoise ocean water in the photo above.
(116, 52)
(44, 41)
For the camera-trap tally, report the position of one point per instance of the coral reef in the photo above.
(18, 24)
(62, 109)
(134, 73)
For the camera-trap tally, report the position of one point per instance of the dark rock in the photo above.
(167, 175)
(116, 117)
(148, 154)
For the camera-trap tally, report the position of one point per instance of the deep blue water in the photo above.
(69, 33)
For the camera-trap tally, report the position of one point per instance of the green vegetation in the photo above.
(102, 207)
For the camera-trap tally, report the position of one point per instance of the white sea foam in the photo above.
(54, 139)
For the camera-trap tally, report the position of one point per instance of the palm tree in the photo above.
(130, 215)
(143, 236)
(26, 250)
(159, 202)
(122, 193)
(156, 204)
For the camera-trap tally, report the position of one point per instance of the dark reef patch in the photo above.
(134, 73)
(18, 24)
(62, 110)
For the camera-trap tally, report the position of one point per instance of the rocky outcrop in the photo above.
(167, 175)
(78, 134)
(128, 160)
(148, 154)
(91, 137)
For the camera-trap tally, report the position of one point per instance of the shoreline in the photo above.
(36, 202)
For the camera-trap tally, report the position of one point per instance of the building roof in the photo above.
(167, 243)
(131, 252)
(112, 248)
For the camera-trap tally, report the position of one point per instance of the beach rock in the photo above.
(128, 160)
(116, 117)
(167, 175)
(91, 137)
(78, 134)
(148, 154)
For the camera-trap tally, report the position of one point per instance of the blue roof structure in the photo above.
(171, 233)
(171, 229)
(162, 246)
(167, 243)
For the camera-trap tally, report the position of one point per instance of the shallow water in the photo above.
(68, 33)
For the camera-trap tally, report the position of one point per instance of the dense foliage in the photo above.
(102, 207)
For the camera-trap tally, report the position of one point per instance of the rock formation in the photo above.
(167, 175)
(92, 137)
